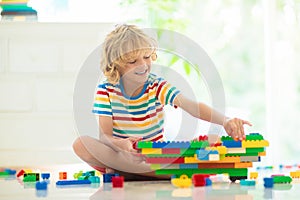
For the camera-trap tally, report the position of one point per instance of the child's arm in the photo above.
(106, 136)
(233, 127)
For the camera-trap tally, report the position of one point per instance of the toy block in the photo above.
(282, 179)
(226, 138)
(199, 180)
(262, 153)
(10, 171)
(41, 185)
(165, 166)
(83, 177)
(254, 136)
(253, 175)
(213, 157)
(183, 182)
(202, 154)
(171, 151)
(178, 160)
(236, 150)
(172, 144)
(151, 151)
(295, 174)
(246, 182)
(220, 149)
(62, 175)
(255, 150)
(76, 175)
(108, 177)
(249, 158)
(144, 144)
(31, 177)
(232, 144)
(238, 172)
(268, 182)
(188, 166)
(4, 173)
(21, 173)
(243, 165)
(202, 138)
(89, 173)
(224, 160)
(254, 143)
(208, 182)
(199, 144)
(117, 181)
(45, 175)
(73, 182)
(94, 179)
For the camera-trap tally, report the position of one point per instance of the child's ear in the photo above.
(153, 56)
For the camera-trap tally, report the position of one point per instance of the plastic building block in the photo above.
(76, 175)
(213, 157)
(208, 182)
(165, 160)
(236, 150)
(253, 175)
(282, 179)
(117, 181)
(20, 173)
(295, 174)
(41, 185)
(10, 171)
(247, 182)
(202, 138)
(254, 136)
(202, 154)
(62, 175)
(172, 144)
(254, 143)
(219, 149)
(94, 179)
(232, 144)
(268, 182)
(29, 177)
(199, 180)
(199, 144)
(45, 175)
(107, 178)
(183, 181)
(73, 182)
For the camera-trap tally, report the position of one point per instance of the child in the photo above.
(129, 105)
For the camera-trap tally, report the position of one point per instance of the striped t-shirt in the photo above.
(138, 116)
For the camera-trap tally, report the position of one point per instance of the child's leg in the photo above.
(95, 153)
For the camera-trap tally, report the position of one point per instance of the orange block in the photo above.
(62, 175)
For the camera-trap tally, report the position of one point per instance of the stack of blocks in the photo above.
(199, 157)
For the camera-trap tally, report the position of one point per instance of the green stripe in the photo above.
(139, 131)
(96, 105)
(169, 94)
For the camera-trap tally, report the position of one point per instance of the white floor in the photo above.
(12, 188)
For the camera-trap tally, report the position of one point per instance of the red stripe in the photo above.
(138, 118)
(157, 138)
(150, 88)
(159, 89)
(114, 91)
(102, 93)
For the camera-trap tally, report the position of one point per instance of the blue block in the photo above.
(73, 182)
(213, 152)
(232, 143)
(268, 182)
(107, 177)
(45, 175)
(173, 144)
(188, 166)
(41, 185)
(208, 182)
(247, 182)
(10, 171)
(202, 154)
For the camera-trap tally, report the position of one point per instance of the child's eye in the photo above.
(147, 57)
(131, 62)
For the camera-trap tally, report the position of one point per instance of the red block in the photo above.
(117, 181)
(171, 151)
(199, 180)
(21, 173)
(178, 160)
(62, 175)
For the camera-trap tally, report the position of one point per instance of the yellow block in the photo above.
(224, 160)
(151, 151)
(253, 175)
(220, 149)
(262, 153)
(254, 143)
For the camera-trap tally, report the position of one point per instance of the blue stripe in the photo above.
(102, 112)
(173, 96)
(153, 134)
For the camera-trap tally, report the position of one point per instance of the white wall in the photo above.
(38, 67)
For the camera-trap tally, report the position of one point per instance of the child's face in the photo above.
(137, 67)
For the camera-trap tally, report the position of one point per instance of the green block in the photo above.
(199, 144)
(282, 179)
(144, 144)
(4, 173)
(29, 178)
(254, 137)
(242, 154)
(226, 138)
(190, 172)
(255, 150)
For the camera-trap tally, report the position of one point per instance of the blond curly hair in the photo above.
(125, 42)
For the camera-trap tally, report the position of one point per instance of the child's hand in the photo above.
(234, 128)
